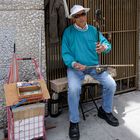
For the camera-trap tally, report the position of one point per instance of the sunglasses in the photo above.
(80, 15)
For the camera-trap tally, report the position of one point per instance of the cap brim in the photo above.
(84, 9)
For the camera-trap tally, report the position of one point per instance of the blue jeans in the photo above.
(75, 78)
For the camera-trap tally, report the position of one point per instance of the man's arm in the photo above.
(68, 56)
(104, 46)
(66, 52)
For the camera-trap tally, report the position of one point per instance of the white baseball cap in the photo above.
(77, 8)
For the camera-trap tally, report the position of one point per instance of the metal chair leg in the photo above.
(83, 113)
(93, 100)
(89, 89)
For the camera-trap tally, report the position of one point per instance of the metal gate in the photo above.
(121, 22)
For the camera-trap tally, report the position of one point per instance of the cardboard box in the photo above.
(28, 122)
(28, 111)
(12, 97)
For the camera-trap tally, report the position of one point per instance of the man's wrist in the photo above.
(72, 64)
(105, 47)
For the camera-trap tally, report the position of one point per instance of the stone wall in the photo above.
(139, 43)
(22, 23)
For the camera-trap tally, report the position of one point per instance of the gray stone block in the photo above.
(139, 29)
(27, 29)
(21, 4)
(22, 23)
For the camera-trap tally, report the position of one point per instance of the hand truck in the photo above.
(26, 130)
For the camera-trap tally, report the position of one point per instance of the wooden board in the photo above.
(11, 94)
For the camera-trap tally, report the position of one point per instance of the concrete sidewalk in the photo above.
(126, 109)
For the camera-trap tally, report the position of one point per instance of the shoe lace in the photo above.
(111, 115)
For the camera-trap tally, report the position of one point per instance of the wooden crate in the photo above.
(29, 92)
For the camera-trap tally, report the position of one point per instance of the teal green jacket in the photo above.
(80, 46)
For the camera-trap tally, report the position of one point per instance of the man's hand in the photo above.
(100, 48)
(79, 66)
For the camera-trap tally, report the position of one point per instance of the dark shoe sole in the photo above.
(74, 138)
(112, 124)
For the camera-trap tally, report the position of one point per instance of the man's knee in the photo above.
(111, 85)
(74, 90)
